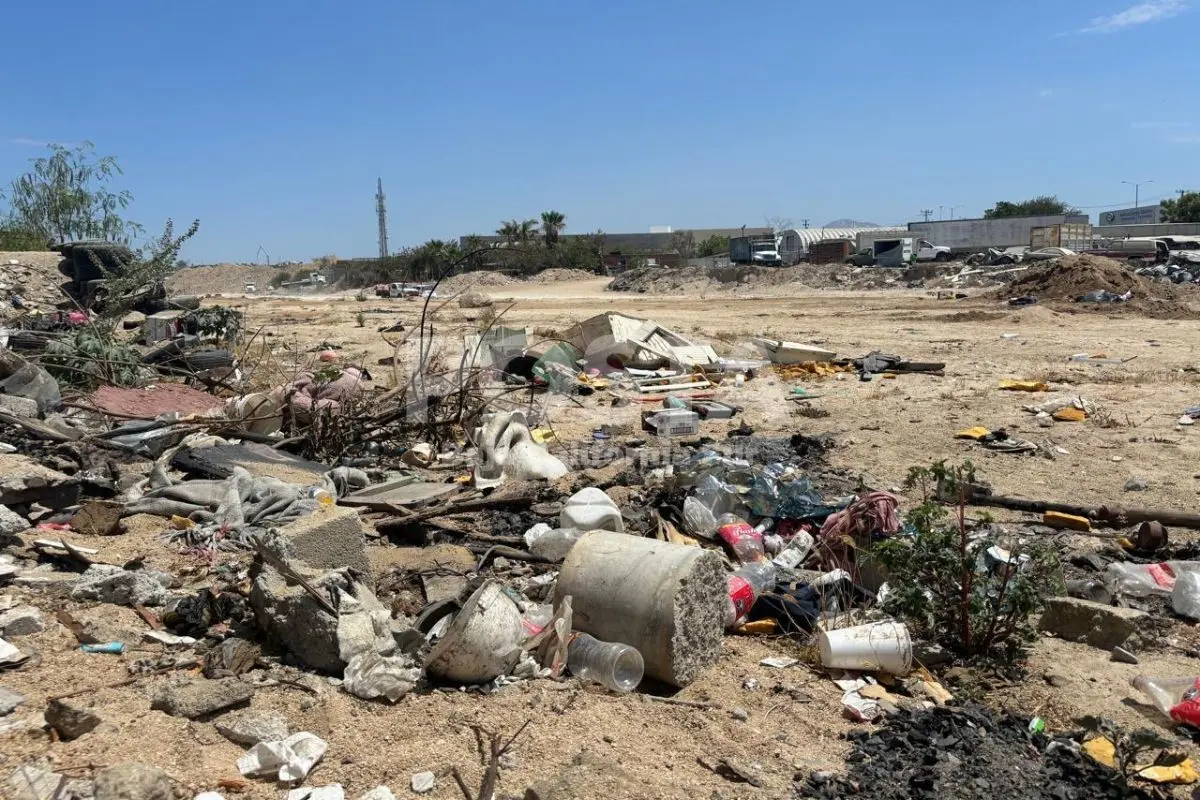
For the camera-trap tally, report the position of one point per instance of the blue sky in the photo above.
(270, 120)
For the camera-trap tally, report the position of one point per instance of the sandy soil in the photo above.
(794, 717)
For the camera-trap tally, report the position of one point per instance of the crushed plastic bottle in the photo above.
(742, 538)
(745, 584)
(1178, 698)
(1144, 580)
(617, 666)
(796, 551)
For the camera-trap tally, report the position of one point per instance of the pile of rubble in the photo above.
(622, 561)
(1098, 283)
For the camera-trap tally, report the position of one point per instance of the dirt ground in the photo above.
(792, 721)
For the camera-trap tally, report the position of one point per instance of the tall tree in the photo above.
(510, 230)
(65, 196)
(1184, 209)
(553, 223)
(527, 231)
(1042, 205)
(714, 245)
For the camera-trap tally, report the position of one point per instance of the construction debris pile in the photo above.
(622, 561)
(1099, 283)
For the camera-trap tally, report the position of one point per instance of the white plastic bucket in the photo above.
(878, 647)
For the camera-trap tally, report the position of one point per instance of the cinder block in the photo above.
(330, 538)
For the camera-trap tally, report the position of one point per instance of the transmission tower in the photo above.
(381, 211)
(924, 211)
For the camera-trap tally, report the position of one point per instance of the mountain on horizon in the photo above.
(851, 223)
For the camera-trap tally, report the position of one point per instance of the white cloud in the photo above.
(1140, 14)
(1045, 93)
(24, 141)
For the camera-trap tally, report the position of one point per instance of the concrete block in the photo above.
(330, 538)
(18, 406)
(248, 728)
(24, 481)
(21, 621)
(109, 584)
(133, 782)
(11, 522)
(200, 698)
(72, 717)
(1095, 624)
(665, 600)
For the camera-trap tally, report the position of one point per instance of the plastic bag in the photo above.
(291, 758)
(1144, 580)
(1185, 597)
(1178, 698)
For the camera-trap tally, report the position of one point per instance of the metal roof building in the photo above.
(795, 242)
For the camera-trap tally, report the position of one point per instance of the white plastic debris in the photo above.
(333, 791)
(422, 782)
(169, 639)
(10, 654)
(209, 796)
(779, 662)
(371, 675)
(291, 759)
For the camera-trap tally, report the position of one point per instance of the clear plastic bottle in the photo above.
(796, 551)
(745, 585)
(744, 540)
(1178, 698)
(617, 666)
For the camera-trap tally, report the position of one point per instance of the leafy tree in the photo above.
(1185, 209)
(1042, 205)
(684, 243)
(712, 246)
(553, 223)
(510, 230)
(65, 196)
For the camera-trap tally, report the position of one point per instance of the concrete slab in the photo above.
(329, 538)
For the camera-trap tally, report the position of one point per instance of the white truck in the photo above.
(900, 251)
(759, 250)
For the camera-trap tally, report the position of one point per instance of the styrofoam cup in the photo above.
(877, 647)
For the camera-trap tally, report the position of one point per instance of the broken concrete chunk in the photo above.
(334, 791)
(72, 717)
(29, 782)
(200, 698)
(35, 383)
(329, 538)
(9, 654)
(11, 522)
(24, 481)
(9, 700)
(18, 406)
(109, 584)
(133, 782)
(98, 519)
(1095, 624)
(422, 782)
(248, 728)
(21, 621)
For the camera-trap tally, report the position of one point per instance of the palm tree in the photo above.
(511, 230)
(528, 231)
(552, 224)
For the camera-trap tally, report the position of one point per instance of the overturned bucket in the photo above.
(483, 642)
(878, 647)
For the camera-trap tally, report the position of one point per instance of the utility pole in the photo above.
(1181, 192)
(804, 222)
(940, 212)
(926, 212)
(953, 209)
(381, 212)
(1137, 186)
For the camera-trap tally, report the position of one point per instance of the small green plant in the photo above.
(90, 356)
(219, 322)
(942, 585)
(361, 319)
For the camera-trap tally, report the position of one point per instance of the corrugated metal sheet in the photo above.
(801, 238)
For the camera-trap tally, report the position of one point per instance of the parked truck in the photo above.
(1075, 236)
(905, 250)
(760, 250)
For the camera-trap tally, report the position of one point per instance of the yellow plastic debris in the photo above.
(543, 435)
(1070, 414)
(181, 523)
(1024, 386)
(758, 627)
(976, 433)
(1056, 519)
(1102, 751)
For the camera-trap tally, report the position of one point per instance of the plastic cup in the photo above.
(878, 647)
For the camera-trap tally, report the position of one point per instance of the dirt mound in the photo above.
(33, 275)
(472, 280)
(220, 279)
(965, 753)
(557, 274)
(1070, 278)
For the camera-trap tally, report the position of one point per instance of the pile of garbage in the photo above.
(1183, 267)
(626, 576)
(1099, 283)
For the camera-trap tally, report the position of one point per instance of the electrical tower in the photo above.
(381, 211)
(925, 211)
